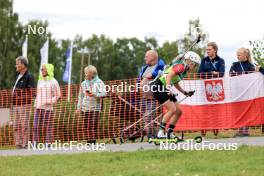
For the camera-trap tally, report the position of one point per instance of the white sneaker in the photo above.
(170, 136)
(161, 134)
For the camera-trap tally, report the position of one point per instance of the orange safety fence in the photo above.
(45, 115)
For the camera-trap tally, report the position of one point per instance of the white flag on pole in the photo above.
(25, 47)
(69, 65)
(44, 52)
(67, 72)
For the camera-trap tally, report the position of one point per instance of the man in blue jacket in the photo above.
(154, 64)
(212, 66)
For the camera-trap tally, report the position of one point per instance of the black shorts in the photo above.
(160, 92)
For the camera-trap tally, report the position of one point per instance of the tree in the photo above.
(168, 51)
(120, 59)
(258, 51)
(101, 53)
(139, 49)
(195, 28)
(10, 43)
(56, 53)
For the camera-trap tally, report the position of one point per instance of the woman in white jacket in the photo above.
(48, 93)
(89, 103)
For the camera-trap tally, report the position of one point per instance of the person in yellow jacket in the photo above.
(48, 93)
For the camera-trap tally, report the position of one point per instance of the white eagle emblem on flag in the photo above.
(214, 90)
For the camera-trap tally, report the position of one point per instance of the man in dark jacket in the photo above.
(22, 96)
(212, 66)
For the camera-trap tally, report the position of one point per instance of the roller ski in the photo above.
(164, 137)
(169, 137)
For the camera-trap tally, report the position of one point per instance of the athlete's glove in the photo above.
(189, 93)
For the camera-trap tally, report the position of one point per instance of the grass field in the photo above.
(248, 161)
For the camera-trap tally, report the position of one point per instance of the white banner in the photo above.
(224, 90)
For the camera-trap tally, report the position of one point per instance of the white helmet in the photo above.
(193, 57)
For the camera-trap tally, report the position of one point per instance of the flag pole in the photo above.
(69, 79)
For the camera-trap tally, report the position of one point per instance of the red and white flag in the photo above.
(228, 102)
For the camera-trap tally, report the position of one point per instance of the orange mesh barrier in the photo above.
(122, 113)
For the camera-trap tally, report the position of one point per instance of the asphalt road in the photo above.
(226, 143)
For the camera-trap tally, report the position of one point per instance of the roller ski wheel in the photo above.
(198, 139)
(149, 140)
(157, 141)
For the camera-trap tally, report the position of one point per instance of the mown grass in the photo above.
(246, 161)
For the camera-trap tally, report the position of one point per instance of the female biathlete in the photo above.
(164, 91)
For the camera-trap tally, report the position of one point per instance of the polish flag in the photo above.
(223, 103)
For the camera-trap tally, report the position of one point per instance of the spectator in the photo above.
(89, 103)
(244, 64)
(148, 73)
(22, 96)
(260, 69)
(212, 66)
(48, 93)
